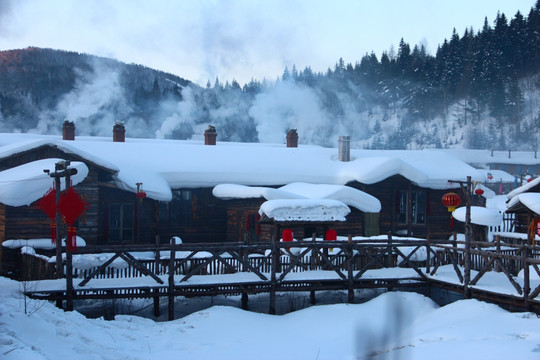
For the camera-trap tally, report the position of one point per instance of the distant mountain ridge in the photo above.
(33, 81)
(374, 102)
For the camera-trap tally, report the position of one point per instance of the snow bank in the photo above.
(394, 325)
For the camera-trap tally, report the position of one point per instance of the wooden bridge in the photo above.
(486, 271)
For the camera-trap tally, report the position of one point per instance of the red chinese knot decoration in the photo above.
(48, 205)
(71, 206)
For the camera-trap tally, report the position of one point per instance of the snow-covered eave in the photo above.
(29, 145)
(530, 201)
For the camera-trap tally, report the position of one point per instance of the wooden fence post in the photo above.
(389, 259)
(468, 236)
(350, 277)
(498, 253)
(157, 271)
(428, 255)
(312, 266)
(172, 260)
(275, 256)
(526, 276)
(69, 280)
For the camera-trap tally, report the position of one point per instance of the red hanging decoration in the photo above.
(479, 192)
(287, 235)
(53, 233)
(331, 234)
(451, 200)
(71, 206)
(258, 226)
(48, 203)
(140, 195)
(71, 239)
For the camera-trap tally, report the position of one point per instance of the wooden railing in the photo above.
(272, 263)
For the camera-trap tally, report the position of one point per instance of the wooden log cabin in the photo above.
(178, 178)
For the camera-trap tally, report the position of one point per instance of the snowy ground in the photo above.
(394, 325)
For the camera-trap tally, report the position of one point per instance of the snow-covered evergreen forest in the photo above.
(481, 89)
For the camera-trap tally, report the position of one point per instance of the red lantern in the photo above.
(140, 194)
(451, 200)
(331, 234)
(287, 235)
(479, 192)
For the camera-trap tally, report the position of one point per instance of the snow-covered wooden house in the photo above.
(214, 192)
(524, 202)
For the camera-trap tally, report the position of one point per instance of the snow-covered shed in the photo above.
(178, 177)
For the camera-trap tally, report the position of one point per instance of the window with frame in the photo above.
(417, 207)
(121, 222)
(178, 211)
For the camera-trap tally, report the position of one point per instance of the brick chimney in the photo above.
(292, 138)
(210, 135)
(68, 130)
(119, 132)
(344, 149)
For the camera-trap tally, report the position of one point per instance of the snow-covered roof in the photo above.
(524, 188)
(479, 215)
(24, 184)
(305, 210)
(162, 165)
(529, 200)
(345, 194)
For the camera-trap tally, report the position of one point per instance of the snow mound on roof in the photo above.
(479, 215)
(305, 210)
(24, 184)
(347, 195)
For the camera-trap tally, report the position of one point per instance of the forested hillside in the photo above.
(481, 89)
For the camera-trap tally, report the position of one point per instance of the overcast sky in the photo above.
(234, 39)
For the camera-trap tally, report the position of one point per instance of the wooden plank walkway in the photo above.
(223, 269)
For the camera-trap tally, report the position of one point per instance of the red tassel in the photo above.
(72, 239)
(53, 233)
(451, 222)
